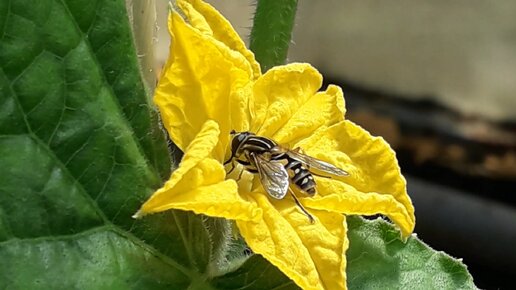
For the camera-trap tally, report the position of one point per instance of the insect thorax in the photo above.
(245, 143)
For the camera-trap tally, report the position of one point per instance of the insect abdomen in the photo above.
(300, 176)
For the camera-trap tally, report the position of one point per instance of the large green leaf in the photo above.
(80, 151)
(378, 259)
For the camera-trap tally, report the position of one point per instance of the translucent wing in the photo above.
(315, 163)
(273, 176)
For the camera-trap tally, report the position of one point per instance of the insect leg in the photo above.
(229, 160)
(240, 174)
(310, 217)
(232, 168)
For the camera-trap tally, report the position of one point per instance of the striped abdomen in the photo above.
(299, 175)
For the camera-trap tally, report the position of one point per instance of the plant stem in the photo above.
(142, 15)
(272, 31)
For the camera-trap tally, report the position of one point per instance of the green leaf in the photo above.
(378, 259)
(255, 273)
(102, 258)
(80, 151)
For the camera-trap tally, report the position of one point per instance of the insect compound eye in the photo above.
(237, 139)
(232, 132)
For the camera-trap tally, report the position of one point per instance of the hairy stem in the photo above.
(272, 31)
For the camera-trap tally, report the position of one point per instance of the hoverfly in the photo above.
(278, 167)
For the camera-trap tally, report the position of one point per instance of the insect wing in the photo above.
(316, 163)
(273, 176)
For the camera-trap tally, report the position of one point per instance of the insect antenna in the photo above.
(310, 217)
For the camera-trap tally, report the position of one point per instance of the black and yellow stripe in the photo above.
(245, 143)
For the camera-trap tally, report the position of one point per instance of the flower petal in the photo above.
(200, 80)
(312, 255)
(337, 196)
(279, 93)
(223, 31)
(321, 109)
(372, 166)
(198, 184)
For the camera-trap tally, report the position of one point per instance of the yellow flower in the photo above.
(210, 85)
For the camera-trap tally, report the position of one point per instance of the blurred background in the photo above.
(437, 79)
